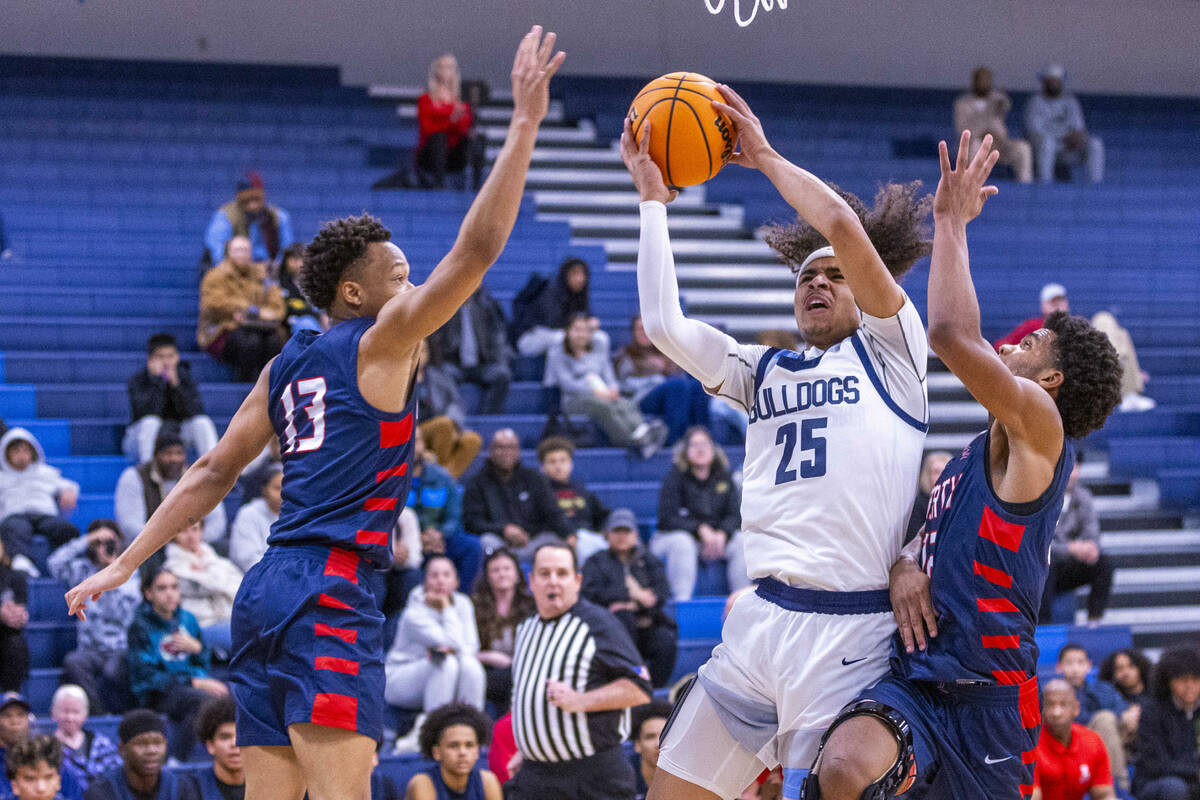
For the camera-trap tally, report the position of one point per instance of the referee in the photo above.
(576, 672)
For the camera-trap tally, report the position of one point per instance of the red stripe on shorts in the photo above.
(1031, 711)
(345, 634)
(1001, 642)
(998, 605)
(335, 711)
(998, 577)
(371, 537)
(394, 472)
(379, 504)
(343, 665)
(343, 564)
(1009, 677)
(1029, 756)
(394, 434)
(332, 602)
(1006, 534)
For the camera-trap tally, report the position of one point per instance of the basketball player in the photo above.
(832, 455)
(959, 712)
(307, 672)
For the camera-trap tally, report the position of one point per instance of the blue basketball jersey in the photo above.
(988, 561)
(345, 462)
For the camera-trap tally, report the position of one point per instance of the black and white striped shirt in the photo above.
(585, 648)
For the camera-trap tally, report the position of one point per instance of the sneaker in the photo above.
(21, 563)
(1136, 402)
(654, 440)
(410, 742)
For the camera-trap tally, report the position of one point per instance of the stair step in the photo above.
(567, 199)
(581, 133)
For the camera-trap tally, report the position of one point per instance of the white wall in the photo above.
(1120, 46)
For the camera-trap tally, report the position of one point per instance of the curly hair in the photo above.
(339, 246)
(31, 752)
(214, 713)
(896, 225)
(1178, 662)
(1091, 386)
(1108, 668)
(453, 714)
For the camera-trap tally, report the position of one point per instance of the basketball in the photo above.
(689, 139)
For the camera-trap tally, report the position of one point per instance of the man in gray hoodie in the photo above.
(32, 495)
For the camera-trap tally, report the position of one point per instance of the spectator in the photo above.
(507, 504)
(32, 495)
(241, 314)
(1071, 761)
(504, 759)
(86, 753)
(404, 573)
(931, 470)
(585, 375)
(472, 348)
(451, 738)
(434, 659)
(208, 584)
(1075, 556)
(216, 728)
(165, 392)
(1102, 708)
(98, 662)
(299, 314)
(437, 501)
(583, 511)
(982, 111)
(502, 601)
(571, 701)
(640, 366)
(34, 769)
(143, 736)
(268, 228)
(382, 786)
(648, 723)
(1129, 671)
(141, 489)
(14, 731)
(252, 525)
(440, 406)
(632, 584)
(1133, 379)
(1168, 760)
(14, 616)
(546, 322)
(698, 516)
(1054, 124)
(445, 141)
(168, 660)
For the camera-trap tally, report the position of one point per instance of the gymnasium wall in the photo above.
(1117, 46)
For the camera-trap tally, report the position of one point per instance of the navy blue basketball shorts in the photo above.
(307, 645)
(970, 741)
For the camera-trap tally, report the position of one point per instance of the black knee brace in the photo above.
(897, 779)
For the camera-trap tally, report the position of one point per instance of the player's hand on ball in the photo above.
(961, 192)
(753, 148)
(532, 69)
(647, 177)
(912, 603)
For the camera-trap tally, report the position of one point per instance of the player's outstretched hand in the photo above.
(961, 191)
(532, 69)
(752, 148)
(647, 177)
(107, 579)
(912, 603)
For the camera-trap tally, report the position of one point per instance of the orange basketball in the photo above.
(689, 139)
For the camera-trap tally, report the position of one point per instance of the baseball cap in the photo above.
(621, 518)
(1054, 71)
(1053, 290)
(14, 698)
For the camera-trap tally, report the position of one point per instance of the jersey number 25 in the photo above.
(314, 387)
(810, 441)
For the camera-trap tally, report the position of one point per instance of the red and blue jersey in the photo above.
(987, 561)
(345, 462)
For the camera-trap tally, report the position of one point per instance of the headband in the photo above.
(823, 252)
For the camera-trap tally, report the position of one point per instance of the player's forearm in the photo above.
(621, 693)
(813, 200)
(953, 307)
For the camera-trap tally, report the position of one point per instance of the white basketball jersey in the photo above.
(833, 453)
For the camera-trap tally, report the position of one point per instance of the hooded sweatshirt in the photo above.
(35, 489)
(422, 627)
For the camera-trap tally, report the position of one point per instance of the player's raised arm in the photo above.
(1025, 408)
(413, 315)
(199, 490)
(697, 347)
(875, 290)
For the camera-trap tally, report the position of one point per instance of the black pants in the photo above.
(17, 532)
(181, 703)
(14, 659)
(437, 158)
(248, 349)
(604, 776)
(656, 643)
(1070, 573)
(104, 676)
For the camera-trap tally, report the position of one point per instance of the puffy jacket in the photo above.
(35, 489)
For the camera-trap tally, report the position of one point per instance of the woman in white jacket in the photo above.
(434, 659)
(208, 584)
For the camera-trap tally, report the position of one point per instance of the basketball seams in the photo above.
(677, 89)
(670, 120)
(704, 134)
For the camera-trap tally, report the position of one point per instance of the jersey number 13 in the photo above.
(308, 387)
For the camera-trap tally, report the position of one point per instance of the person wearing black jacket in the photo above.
(508, 504)
(473, 348)
(566, 296)
(164, 393)
(632, 584)
(699, 513)
(1168, 756)
(583, 510)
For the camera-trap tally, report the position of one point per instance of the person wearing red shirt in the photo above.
(1054, 298)
(445, 142)
(1071, 760)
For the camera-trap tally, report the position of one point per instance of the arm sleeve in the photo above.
(899, 350)
(711, 357)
